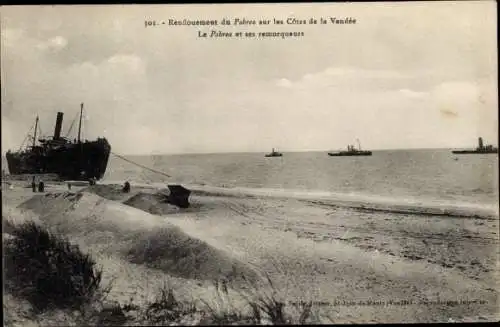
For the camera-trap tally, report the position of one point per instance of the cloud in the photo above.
(114, 92)
(128, 62)
(387, 81)
(462, 97)
(412, 94)
(449, 113)
(56, 43)
(283, 82)
(356, 78)
(354, 72)
(452, 89)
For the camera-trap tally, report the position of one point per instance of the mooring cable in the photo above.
(139, 165)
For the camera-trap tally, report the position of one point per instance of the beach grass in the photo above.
(53, 274)
(262, 304)
(47, 269)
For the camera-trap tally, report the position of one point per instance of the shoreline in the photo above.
(366, 202)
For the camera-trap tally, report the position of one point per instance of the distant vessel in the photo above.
(351, 151)
(70, 160)
(274, 154)
(481, 148)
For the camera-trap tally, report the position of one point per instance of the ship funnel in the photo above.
(57, 130)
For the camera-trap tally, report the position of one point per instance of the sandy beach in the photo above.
(358, 265)
(341, 162)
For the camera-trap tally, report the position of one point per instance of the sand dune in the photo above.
(152, 203)
(135, 235)
(412, 267)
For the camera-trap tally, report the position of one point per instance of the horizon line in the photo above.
(282, 151)
(290, 151)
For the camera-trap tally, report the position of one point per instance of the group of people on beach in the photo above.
(41, 185)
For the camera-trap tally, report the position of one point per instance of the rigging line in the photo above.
(22, 144)
(142, 166)
(26, 137)
(71, 126)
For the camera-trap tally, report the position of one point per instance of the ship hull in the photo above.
(73, 161)
(349, 154)
(273, 155)
(473, 152)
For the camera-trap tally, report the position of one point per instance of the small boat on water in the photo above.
(274, 154)
(351, 151)
(481, 148)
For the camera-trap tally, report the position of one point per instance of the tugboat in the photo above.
(68, 159)
(481, 148)
(274, 154)
(351, 151)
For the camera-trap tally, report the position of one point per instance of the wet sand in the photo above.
(413, 268)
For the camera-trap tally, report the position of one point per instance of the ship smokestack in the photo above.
(480, 141)
(57, 130)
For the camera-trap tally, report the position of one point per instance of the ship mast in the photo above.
(80, 124)
(36, 128)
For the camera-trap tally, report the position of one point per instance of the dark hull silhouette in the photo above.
(349, 153)
(74, 161)
(274, 154)
(481, 149)
(69, 160)
(474, 151)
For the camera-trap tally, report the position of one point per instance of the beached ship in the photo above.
(481, 148)
(274, 154)
(69, 159)
(351, 151)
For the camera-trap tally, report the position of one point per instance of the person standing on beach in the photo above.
(126, 187)
(33, 184)
(41, 186)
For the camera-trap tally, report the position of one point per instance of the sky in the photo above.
(405, 75)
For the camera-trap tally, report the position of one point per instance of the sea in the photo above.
(398, 176)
